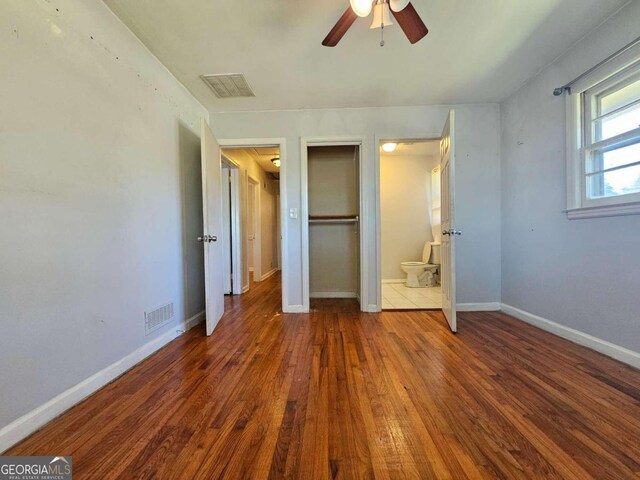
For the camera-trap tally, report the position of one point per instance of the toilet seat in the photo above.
(418, 264)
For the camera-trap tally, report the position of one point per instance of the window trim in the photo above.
(578, 205)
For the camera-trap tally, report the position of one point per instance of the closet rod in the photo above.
(334, 218)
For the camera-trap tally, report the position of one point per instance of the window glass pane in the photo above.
(613, 158)
(614, 183)
(619, 98)
(623, 122)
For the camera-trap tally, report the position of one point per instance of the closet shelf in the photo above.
(334, 218)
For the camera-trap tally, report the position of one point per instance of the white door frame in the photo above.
(365, 216)
(225, 235)
(376, 167)
(256, 251)
(281, 143)
(236, 226)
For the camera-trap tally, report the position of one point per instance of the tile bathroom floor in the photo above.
(396, 296)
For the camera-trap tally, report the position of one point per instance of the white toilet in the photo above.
(421, 274)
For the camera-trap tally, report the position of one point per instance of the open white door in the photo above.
(448, 252)
(212, 210)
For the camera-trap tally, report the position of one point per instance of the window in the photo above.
(604, 156)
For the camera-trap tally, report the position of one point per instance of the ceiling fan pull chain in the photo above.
(382, 35)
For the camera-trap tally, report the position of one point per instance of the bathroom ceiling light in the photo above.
(389, 147)
(276, 162)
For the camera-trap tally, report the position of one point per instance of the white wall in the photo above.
(405, 210)
(100, 197)
(268, 192)
(478, 180)
(268, 221)
(582, 274)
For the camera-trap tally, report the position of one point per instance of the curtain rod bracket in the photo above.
(560, 90)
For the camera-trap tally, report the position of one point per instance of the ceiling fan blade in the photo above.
(340, 28)
(411, 23)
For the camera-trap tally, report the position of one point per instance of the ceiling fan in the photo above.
(403, 11)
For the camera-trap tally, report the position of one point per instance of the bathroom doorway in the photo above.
(410, 224)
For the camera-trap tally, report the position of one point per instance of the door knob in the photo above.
(208, 238)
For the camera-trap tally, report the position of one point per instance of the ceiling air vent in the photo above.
(231, 85)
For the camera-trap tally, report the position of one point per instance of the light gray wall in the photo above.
(477, 181)
(581, 273)
(100, 197)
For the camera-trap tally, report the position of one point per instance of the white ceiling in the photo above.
(476, 51)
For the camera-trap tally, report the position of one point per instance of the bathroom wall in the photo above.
(477, 182)
(268, 189)
(580, 274)
(100, 201)
(405, 207)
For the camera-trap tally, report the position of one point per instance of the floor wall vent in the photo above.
(156, 318)
(229, 85)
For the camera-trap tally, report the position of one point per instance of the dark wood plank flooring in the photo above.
(341, 394)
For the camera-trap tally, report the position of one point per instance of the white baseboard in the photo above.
(397, 280)
(478, 307)
(245, 289)
(333, 295)
(295, 309)
(40, 416)
(268, 274)
(371, 308)
(609, 349)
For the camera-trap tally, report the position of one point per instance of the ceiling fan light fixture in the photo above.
(276, 162)
(398, 5)
(389, 147)
(362, 8)
(381, 15)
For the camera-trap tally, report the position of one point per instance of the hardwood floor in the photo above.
(341, 394)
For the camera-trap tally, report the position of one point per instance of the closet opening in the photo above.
(251, 206)
(410, 224)
(333, 222)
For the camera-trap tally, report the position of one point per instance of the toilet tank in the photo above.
(435, 253)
